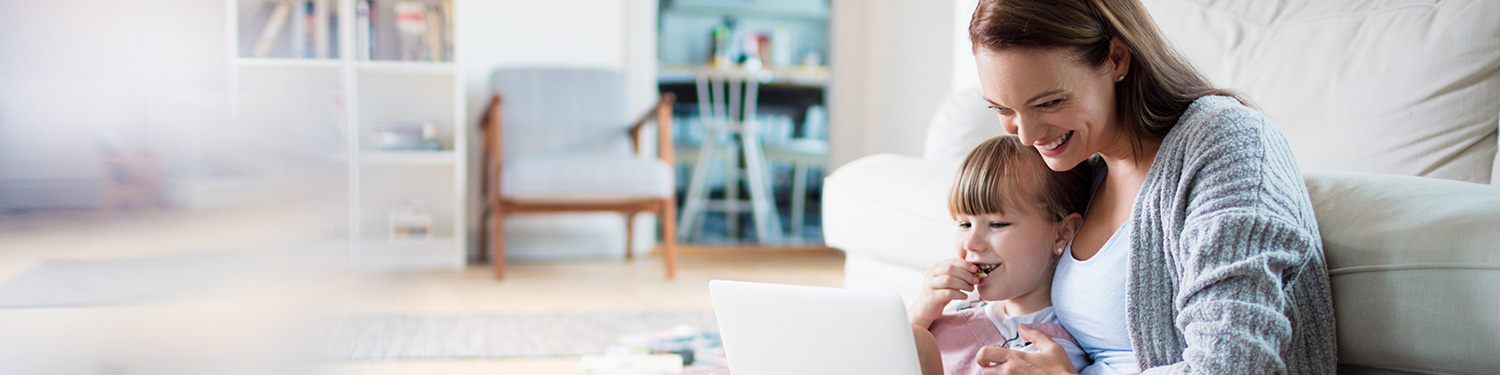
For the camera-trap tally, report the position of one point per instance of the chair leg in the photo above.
(484, 235)
(799, 198)
(629, 235)
(497, 246)
(668, 215)
(733, 174)
(697, 194)
(767, 221)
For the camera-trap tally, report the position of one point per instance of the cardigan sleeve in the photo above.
(1232, 298)
(1246, 234)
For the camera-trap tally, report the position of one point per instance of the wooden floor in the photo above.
(530, 287)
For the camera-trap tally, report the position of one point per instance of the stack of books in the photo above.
(418, 31)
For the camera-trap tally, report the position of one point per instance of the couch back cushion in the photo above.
(1406, 87)
(1414, 264)
(961, 123)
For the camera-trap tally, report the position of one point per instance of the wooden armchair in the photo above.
(552, 144)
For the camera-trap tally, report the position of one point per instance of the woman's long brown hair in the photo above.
(1161, 83)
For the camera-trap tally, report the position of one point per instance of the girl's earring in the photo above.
(1059, 251)
(1120, 78)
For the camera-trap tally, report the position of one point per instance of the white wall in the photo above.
(965, 73)
(893, 62)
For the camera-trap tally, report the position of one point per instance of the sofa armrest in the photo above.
(891, 210)
(1413, 264)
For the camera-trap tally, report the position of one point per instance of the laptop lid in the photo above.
(774, 329)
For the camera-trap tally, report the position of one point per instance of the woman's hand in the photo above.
(945, 281)
(1050, 358)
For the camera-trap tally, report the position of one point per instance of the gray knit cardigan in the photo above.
(1226, 267)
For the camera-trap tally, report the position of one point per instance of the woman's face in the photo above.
(1063, 108)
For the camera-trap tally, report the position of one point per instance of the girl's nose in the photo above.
(973, 243)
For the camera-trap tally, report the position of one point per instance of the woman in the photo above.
(1199, 252)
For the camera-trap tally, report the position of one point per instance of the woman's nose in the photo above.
(1026, 129)
(1010, 125)
(1023, 127)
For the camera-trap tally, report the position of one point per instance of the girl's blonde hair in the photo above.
(1002, 174)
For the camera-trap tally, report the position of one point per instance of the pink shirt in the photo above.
(961, 333)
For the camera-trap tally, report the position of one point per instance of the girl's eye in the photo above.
(1050, 104)
(998, 225)
(965, 225)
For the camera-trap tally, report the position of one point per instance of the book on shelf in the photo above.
(247, 36)
(364, 28)
(406, 136)
(424, 32)
(419, 30)
(311, 25)
(300, 23)
(447, 30)
(317, 35)
(434, 34)
(274, 24)
(411, 25)
(332, 37)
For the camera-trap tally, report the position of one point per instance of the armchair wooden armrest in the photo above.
(491, 156)
(662, 112)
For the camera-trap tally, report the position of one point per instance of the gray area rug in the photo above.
(495, 336)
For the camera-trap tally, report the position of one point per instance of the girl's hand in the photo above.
(1050, 358)
(945, 281)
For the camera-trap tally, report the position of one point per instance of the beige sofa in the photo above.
(1391, 108)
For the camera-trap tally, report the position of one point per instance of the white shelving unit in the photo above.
(332, 105)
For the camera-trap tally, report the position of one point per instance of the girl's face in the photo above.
(1063, 108)
(1018, 248)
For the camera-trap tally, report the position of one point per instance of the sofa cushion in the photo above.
(962, 122)
(585, 176)
(1384, 86)
(893, 208)
(1414, 264)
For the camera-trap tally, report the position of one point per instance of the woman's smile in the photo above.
(1056, 146)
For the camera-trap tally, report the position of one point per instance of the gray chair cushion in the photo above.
(562, 110)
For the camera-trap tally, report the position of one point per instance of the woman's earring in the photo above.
(1059, 251)
(1120, 78)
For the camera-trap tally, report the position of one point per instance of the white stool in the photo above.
(730, 134)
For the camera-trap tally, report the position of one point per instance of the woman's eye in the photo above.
(1050, 104)
(998, 225)
(1001, 111)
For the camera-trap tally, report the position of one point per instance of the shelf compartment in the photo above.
(409, 157)
(288, 63)
(438, 253)
(406, 67)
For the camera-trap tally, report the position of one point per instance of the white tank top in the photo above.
(1089, 299)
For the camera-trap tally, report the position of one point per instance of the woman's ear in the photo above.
(1067, 229)
(1119, 56)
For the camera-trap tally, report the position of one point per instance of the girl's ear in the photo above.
(1067, 229)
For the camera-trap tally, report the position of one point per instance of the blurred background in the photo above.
(219, 176)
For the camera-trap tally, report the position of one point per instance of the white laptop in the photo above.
(774, 329)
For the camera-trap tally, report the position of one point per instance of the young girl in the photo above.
(1014, 218)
